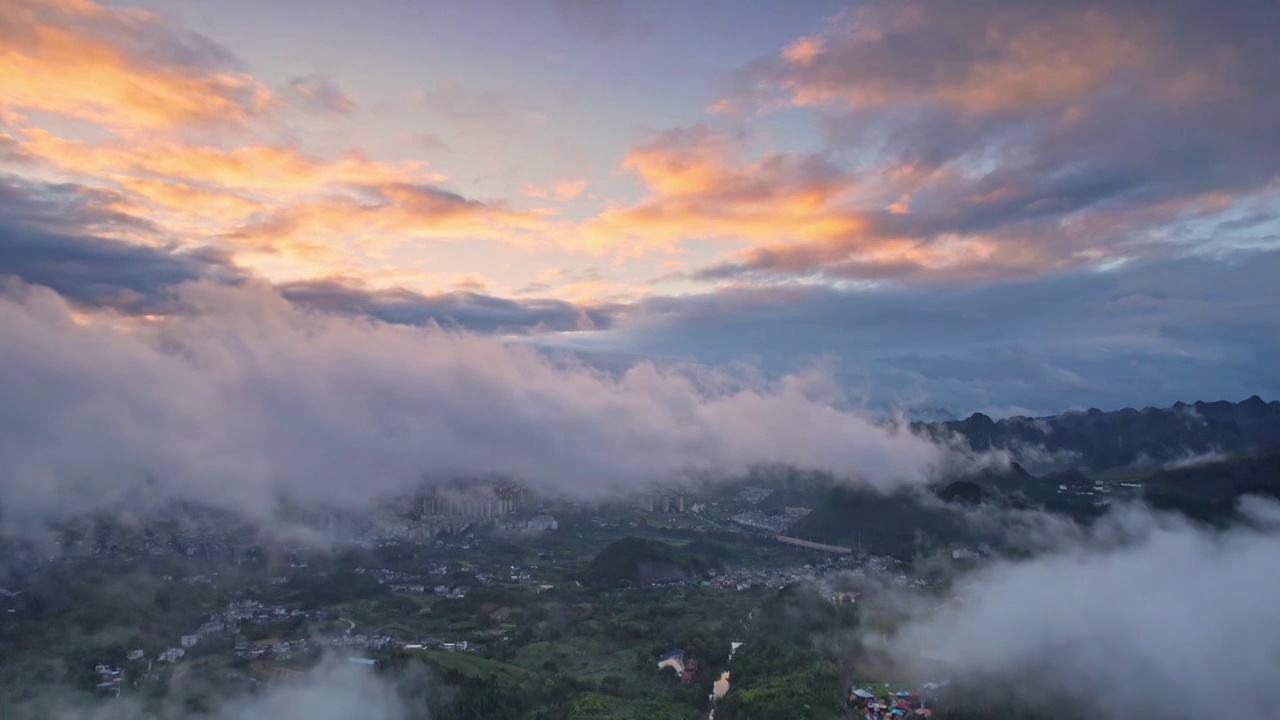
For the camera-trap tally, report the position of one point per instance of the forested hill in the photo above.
(1128, 437)
(639, 562)
(896, 523)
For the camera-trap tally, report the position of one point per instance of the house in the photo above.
(172, 655)
(108, 689)
(673, 659)
(189, 641)
(842, 598)
(136, 655)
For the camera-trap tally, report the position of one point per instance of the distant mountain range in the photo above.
(1197, 460)
(903, 522)
(1126, 439)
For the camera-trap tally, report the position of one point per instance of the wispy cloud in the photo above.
(463, 309)
(318, 93)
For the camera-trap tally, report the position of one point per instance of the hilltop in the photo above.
(639, 562)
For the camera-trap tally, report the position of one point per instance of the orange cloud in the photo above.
(186, 198)
(700, 190)
(800, 215)
(250, 168)
(284, 213)
(120, 67)
(804, 50)
(569, 189)
(391, 213)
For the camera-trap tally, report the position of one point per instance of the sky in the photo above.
(996, 206)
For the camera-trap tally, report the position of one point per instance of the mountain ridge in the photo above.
(1124, 438)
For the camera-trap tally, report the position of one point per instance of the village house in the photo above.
(673, 659)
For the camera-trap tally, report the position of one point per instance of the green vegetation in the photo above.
(778, 673)
(638, 562)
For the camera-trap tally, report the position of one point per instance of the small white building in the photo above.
(543, 523)
(190, 641)
(136, 655)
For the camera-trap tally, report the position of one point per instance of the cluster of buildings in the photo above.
(442, 579)
(753, 495)
(459, 646)
(286, 649)
(756, 520)
(537, 523)
(252, 612)
(778, 577)
(422, 584)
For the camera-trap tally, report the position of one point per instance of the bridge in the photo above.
(813, 545)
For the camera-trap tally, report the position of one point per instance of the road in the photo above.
(348, 622)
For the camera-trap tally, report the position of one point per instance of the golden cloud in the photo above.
(125, 68)
(251, 168)
(699, 190)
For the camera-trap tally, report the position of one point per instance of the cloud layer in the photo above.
(244, 400)
(1151, 333)
(1145, 612)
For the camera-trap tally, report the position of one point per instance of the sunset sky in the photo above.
(995, 205)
